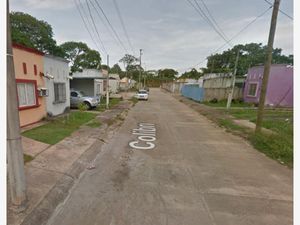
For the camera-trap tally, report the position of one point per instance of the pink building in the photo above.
(29, 67)
(279, 89)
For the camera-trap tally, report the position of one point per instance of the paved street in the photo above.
(196, 174)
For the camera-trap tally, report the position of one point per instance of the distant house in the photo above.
(29, 71)
(58, 85)
(114, 83)
(90, 81)
(279, 88)
(126, 83)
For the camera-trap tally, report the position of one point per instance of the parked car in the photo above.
(142, 95)
(77, 97)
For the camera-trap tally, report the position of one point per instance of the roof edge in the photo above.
(28, 49)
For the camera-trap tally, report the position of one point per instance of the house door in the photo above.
(98, 88)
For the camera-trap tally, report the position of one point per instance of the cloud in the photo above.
(50, 4)
(171, 33)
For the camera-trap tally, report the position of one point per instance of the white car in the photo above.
(142, 95)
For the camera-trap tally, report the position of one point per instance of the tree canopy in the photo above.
(33, 33)
(192, 74)
(250, 55)
(116, 69)
(81, 56)
(128, 60)
(167, 73)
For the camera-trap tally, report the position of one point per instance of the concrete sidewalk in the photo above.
(55, 168)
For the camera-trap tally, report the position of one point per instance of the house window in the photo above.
(26, 94)
(59, 92)
(35, 69)
(24, 68)
(252, 89)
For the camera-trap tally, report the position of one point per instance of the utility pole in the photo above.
(15, 161)
(140, 68)
(268, 62)
(107, 83)
(233, 80)
(145, 76)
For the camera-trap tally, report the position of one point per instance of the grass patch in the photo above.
(228, 124)
(278, 146)
(223, 103)
(27, 158)
(94, 124)
(112, 102)
(58, 129)
(134, 100)
(274, 146)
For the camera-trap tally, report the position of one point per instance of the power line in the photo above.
(204, 16)
(106, 26)
(97, 3)
(211, 16)
(284, 13)
(95, 27)
(123, 25)
(85, 25)
(237, 34)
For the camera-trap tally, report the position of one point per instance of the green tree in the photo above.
(81, 56)
(167, 74)
(105, 67)
(33, 33)
(133, 71)
(192, 74)
(116, 69)
(250, 55)
(128, 60)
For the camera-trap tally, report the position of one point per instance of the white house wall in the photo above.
(60, 70)
(114, 85)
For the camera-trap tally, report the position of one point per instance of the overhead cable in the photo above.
(284, 13)
(86, 26)
(95, 27)
(236, 35)
(109, 23)
(123, 25)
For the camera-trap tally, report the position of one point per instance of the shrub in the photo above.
(214, 100)
(82, 107)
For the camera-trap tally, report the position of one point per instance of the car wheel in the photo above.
(88, 105)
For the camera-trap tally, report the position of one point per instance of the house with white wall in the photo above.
(56, 78)
(90, 81)
(114, 83)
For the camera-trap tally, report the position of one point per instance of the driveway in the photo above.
(182, 169)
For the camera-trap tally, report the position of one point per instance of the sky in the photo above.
(170, 33)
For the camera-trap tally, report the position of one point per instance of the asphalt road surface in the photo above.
(196, 174)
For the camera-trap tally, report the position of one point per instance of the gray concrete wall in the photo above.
(85, 85)
(58, 68)
(174, 87)
(222, 93)
(218, 86)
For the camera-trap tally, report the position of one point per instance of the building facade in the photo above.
(58, 85)
(29, 72)
(279, 88)
(90, 81)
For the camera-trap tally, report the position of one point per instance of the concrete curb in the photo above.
(43, 211)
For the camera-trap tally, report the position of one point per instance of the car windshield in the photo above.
(142, 92)
(82, 93)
